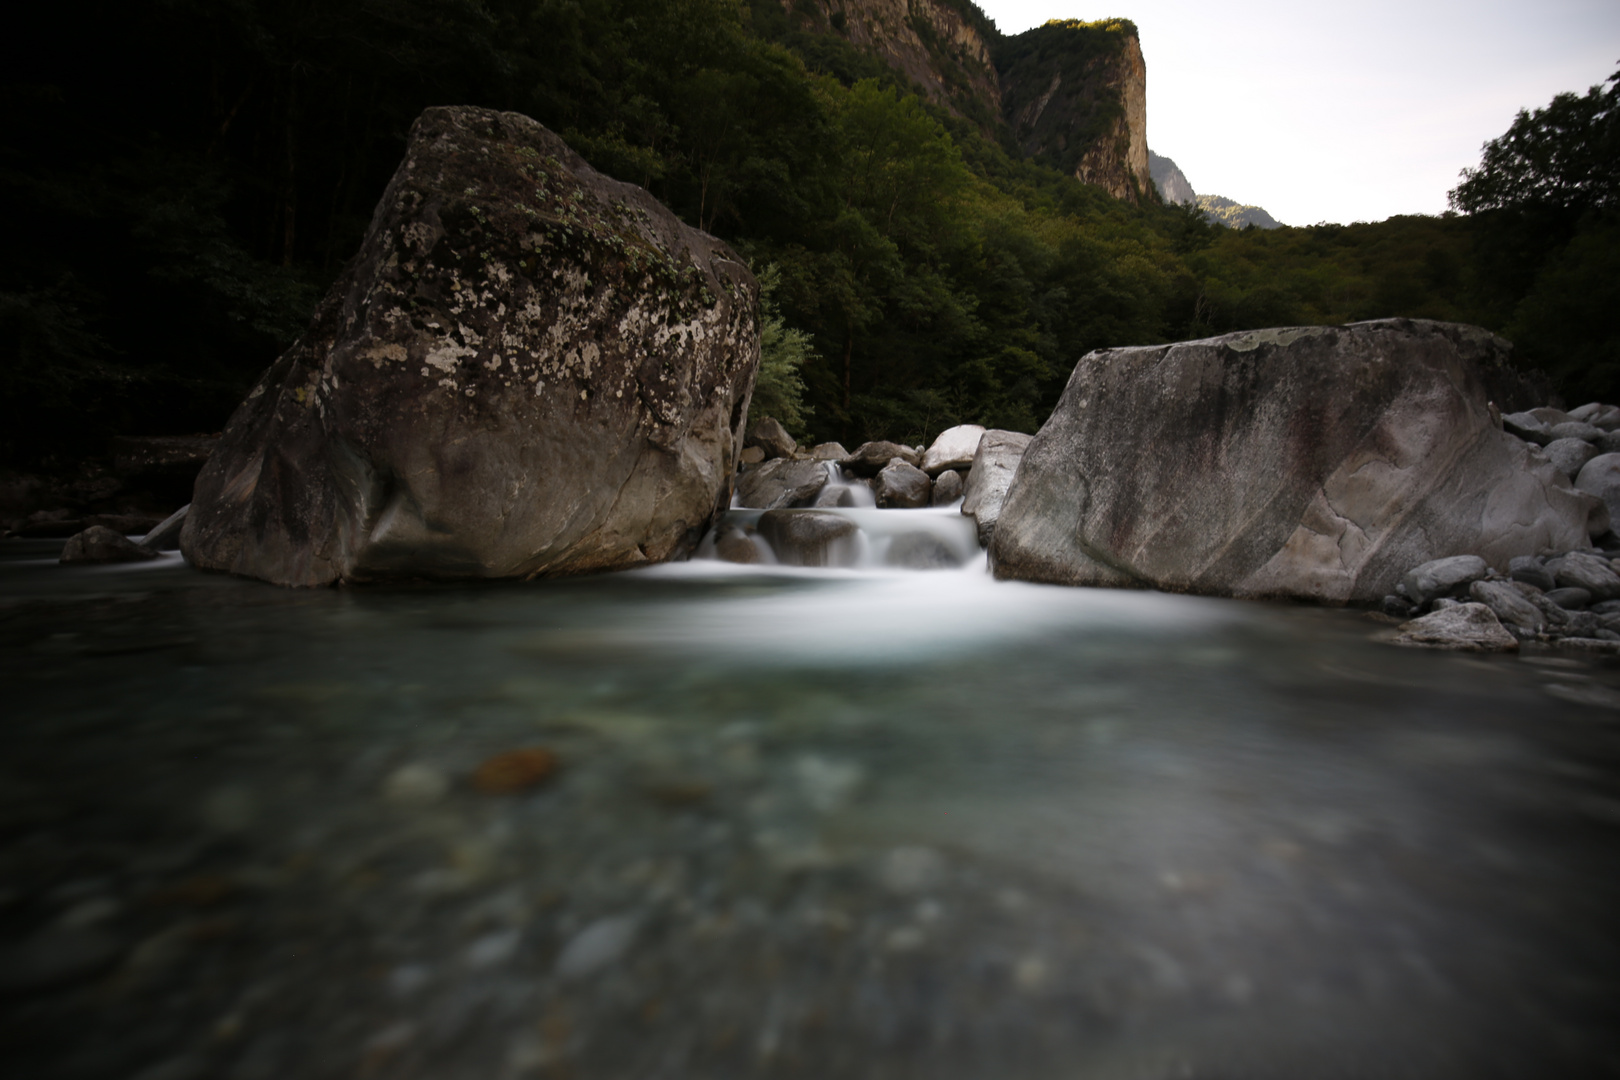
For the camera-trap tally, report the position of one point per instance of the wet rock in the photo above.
(835, 496)
(598, 946)
(1396, 607)
(772, 438)
(736, 546)
(902, 487)
(1443, 577)
(947, 488)
(988, 481)
(1531, 571)
(1570, 455)
(828, 451)
(1606, 608)
(514, 770)
(954, 449)
(1507, 604)
(1469, 627)
(1570, 598)
(871, 458)
(809, 537)
(919, 551)
(911, 869)
(1311, 462)
(57, 957)
(1551, 612)
(530, 369)
(781, 483)
(165, 536)
(1580, 570)
(99, 544)
(751, 455)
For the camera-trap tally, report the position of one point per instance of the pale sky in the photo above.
(1344, 112)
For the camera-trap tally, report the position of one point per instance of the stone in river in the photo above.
(771, 437)
(947, 488)
(1530, 570)
(1570, 455)
(735, 546)
(1601, 477)
(902, 487)
(870, 458)
(994, 465)
(530, 369)
(1443, 577)
(751, 455)
(809, 537)
(99, 544)
(1570, 598)
(1574, 429)
(1317, 463)
(1471, 627)
(597, 946)
(954, 449)
(781, 482)
(828, 451)
(514, 770)
(1507, 604)
(1580, 570)
(919, 551)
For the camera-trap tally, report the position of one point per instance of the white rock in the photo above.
(954, 449)
(1471, 627)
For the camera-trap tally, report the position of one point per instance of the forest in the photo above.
(183, 178)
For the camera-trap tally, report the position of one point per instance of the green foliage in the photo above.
(783, 353)
(1077, 58)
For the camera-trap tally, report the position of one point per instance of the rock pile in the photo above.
(1571, 600)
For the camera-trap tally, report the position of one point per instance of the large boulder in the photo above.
(995, 463)
(99, 544)
(954, 449)
(809, 537)
(1312, 462)
(901, 487)
(771, 437)
(781, 482)
(870, 458)
(529, 369)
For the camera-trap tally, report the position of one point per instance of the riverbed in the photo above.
(817, 823)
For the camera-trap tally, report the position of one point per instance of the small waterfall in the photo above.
(844, 529)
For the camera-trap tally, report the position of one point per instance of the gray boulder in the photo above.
(1529, 569)
(1313, 462)
(530, 369)
(1443, 577)
(1527, 427)
(781, 482)
(99, 544)
(1601, 477)
(901, 487)
(1574, 429)
(947, 488)
(1569, 455)
(1570, 597)
(772, 438)
(736, 546)
(988, 481)
(809, 537)
(1508, 605)
(828, 451)
(919, 551)
(954, 449)
(870, 458)
(1468, 627)
(1580, 570)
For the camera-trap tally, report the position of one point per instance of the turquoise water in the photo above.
(806, 823)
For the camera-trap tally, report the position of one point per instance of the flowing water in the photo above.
(810, 823)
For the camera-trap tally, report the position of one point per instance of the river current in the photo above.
(819, 823)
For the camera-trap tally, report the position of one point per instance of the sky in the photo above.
(1344, 112)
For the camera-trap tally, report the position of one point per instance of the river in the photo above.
(809, 823)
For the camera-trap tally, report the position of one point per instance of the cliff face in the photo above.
(1075, 96)
(941, 45)
(1171, 181)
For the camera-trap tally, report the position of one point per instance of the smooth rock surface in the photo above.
(1470, 627)
(902, 487)
(1531, 571)
(954, 449)
(1507, 604)
(1579, 570)
(870, 458)
(781, 482)
(1573, 429)
(1314, 462)
(1527, 427)
(1601, 477)
(947, 488)
(994, 466)
(808, 538)
(1570, 597)
(1443, 577)
(770, 437)
(828, 451)
(99, 544)
(1570, 455)
(530, 369)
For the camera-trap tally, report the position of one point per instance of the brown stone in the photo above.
(514, 770)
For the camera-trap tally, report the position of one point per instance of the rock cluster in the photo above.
(1571, 599)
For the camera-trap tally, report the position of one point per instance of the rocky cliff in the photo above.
(1171, 181)
(1235, 215)
(1075, 96)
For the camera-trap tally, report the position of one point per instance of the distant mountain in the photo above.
(1235, 215)
(1172, 184)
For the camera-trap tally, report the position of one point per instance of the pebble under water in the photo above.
(801, 824)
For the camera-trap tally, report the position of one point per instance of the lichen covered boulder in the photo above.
(529, 369)
(1315, 462)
